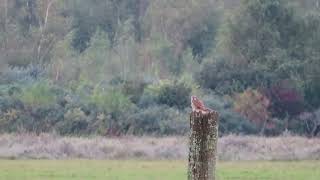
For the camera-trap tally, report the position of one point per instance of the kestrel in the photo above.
(197, 105)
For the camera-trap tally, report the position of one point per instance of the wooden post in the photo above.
(203, 145)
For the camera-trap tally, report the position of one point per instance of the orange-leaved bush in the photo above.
(254, 105)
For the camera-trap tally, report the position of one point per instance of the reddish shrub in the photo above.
(254, 105)
(286, 100)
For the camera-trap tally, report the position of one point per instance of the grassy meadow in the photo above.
(152, 170)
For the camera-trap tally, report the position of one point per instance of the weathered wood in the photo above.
(203, 145)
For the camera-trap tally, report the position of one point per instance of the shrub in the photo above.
(158, 120)
(148, 99)
(133, 89)
(38, 120)
(175, 95)
(38, 94)
(9, 90)
(111, 101)
(312, 95)
(14, 117)
(8, 119)
(230, 120)
(75, 122)
(254, 105)
(286, 99)
(233, 123)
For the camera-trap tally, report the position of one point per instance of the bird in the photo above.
(198, 106)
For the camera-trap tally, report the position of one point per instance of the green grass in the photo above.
(151, 170)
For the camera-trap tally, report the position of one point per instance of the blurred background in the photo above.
(123, 67)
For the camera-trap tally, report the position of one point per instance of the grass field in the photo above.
(151, 170)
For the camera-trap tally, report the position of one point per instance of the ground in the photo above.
(152, 170)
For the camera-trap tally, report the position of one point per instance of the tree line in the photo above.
(114, 67)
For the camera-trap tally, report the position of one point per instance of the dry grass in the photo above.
(275, 148)
(230, 148)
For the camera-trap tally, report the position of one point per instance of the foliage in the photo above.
(133, 89)
(110, 67)
(254, 105)
(75, 122)
(112, 101)
(286, 100)
(38, 94)
(158, 120)
(230, 120)
(225, 79)
(176, 94)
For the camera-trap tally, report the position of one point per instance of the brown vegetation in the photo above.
(230, 148)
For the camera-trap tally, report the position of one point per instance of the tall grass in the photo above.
(230, 148)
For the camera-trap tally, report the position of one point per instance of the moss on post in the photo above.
(203, 145)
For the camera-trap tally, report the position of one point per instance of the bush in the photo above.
(111, 101)
(158, 120)
(9, 90)
(148, 98)
(175, 95)
(38, 120)
(10, 111)
(75, 122)
(230, 121)
(255, 106)
(38, 94)
(233, 123)
(14, 117)
(286, 99)
(133, 89)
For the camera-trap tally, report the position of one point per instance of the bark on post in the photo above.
(203, 145)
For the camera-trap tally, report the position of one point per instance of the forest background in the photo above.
(124, 67)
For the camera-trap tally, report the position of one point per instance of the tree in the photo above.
(107, 15)
(257, 31)
(186, 24)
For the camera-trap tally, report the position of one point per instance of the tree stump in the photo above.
(203, 145)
